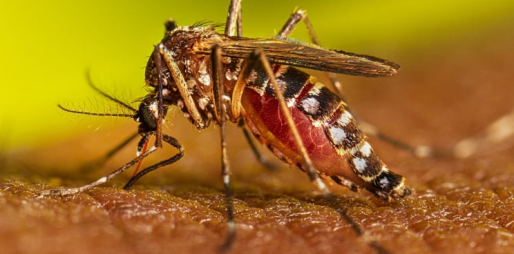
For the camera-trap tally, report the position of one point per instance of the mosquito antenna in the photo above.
(92, 85)
(94, 113)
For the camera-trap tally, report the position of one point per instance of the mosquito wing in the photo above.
(309, 56)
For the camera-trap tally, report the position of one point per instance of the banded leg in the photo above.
(225, 166)
(289, 26)
(72, 191)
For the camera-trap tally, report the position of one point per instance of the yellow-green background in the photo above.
(47, 46)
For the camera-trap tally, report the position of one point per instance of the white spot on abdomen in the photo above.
(337, 134)
(310, 105)
(365, 149)
(360, 164)
(345, 118)
(384, 182)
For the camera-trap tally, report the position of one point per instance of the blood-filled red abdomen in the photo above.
(268, 123)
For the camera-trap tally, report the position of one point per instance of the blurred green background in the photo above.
(47, 46)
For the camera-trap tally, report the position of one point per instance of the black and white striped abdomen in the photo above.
(357, 165)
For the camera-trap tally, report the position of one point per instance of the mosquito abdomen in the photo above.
(331, 136)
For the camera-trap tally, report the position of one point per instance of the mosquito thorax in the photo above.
(196, 70)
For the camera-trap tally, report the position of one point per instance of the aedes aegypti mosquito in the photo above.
(215, 78)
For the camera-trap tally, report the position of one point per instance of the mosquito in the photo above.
(224, 77)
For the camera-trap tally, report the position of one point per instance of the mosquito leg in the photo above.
(234, 19)
(420, 151)
(168, 139)
(181, 83)
(250, 63)
(73, 191)
(289, 26)
(258, 56)
(160, 111)
(225, 166)
(261, 158)
(240, 22)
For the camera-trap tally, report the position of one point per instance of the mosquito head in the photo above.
(148, 113)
